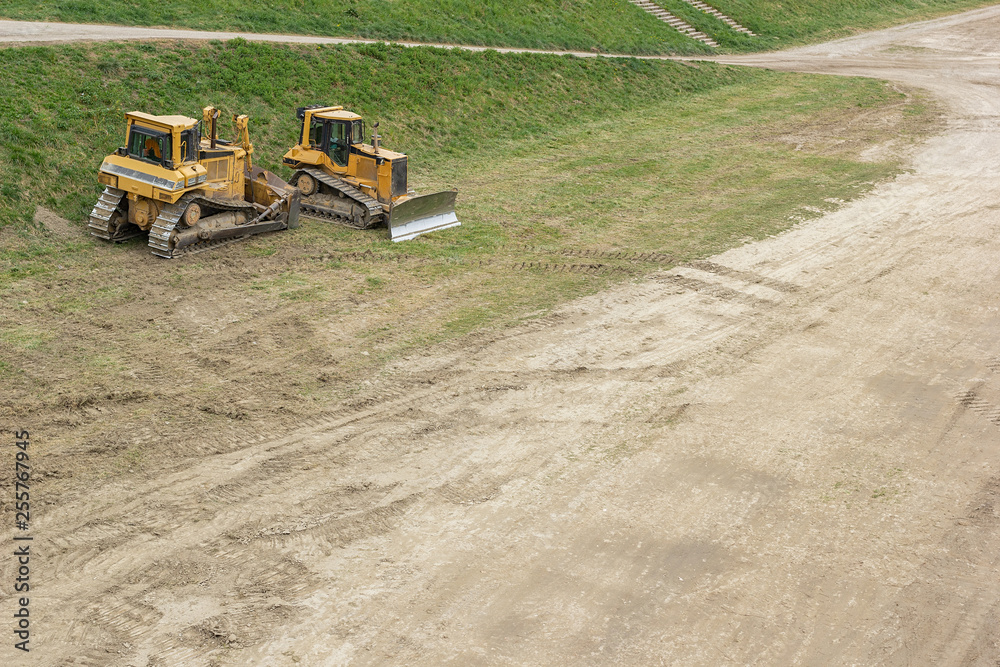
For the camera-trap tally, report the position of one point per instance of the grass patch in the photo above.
(261, 251)
(25, 338)
(610, 26)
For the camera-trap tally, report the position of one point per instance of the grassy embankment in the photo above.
(612, 26)
(552, 156)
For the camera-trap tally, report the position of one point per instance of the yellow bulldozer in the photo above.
(188, 191)
(363, 185)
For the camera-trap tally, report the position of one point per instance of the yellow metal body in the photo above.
(368, 169)
(152, 180)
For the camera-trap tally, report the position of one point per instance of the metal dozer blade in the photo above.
(419, 215)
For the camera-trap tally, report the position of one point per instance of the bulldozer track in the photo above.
(317, 212)
(375, 213)
(165, 224)
(100, 217)
(222, 205)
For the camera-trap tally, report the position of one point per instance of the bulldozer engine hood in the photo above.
(383, 154)
(150, 180)
(303, 155)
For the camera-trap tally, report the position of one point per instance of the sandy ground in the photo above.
(787, 455)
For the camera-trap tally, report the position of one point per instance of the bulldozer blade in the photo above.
(427, 213)
(272, 179)
(279, 188)
(294, 202)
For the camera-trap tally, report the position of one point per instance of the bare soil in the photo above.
(55, 225)
(784, 455)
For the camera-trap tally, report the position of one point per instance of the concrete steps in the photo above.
(674, 22)
(719, 15)
(687, 29)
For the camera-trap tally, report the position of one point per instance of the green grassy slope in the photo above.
(612, 26)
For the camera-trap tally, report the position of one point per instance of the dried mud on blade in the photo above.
(427, 213)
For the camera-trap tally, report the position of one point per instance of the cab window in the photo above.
(190, 140)
(358, 133)
(316, 133)
(149, 145)
(339, 146)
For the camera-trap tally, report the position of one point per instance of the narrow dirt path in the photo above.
(40, 32)
(785, 455)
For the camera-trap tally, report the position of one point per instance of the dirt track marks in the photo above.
(971, 400)
(718, 291)
(746, 276)
(620, 257)
(962, 630)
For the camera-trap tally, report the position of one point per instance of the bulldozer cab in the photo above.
(166, 141)
(334, 132)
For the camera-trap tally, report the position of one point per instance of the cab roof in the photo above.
(171, 122)
(337, 114)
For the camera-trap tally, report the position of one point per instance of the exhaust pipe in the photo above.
(214, 132)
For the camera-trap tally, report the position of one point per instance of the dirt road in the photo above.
(787, 455)
(40, 32)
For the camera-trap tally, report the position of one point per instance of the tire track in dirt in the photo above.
(632, 257)
(972, 400)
